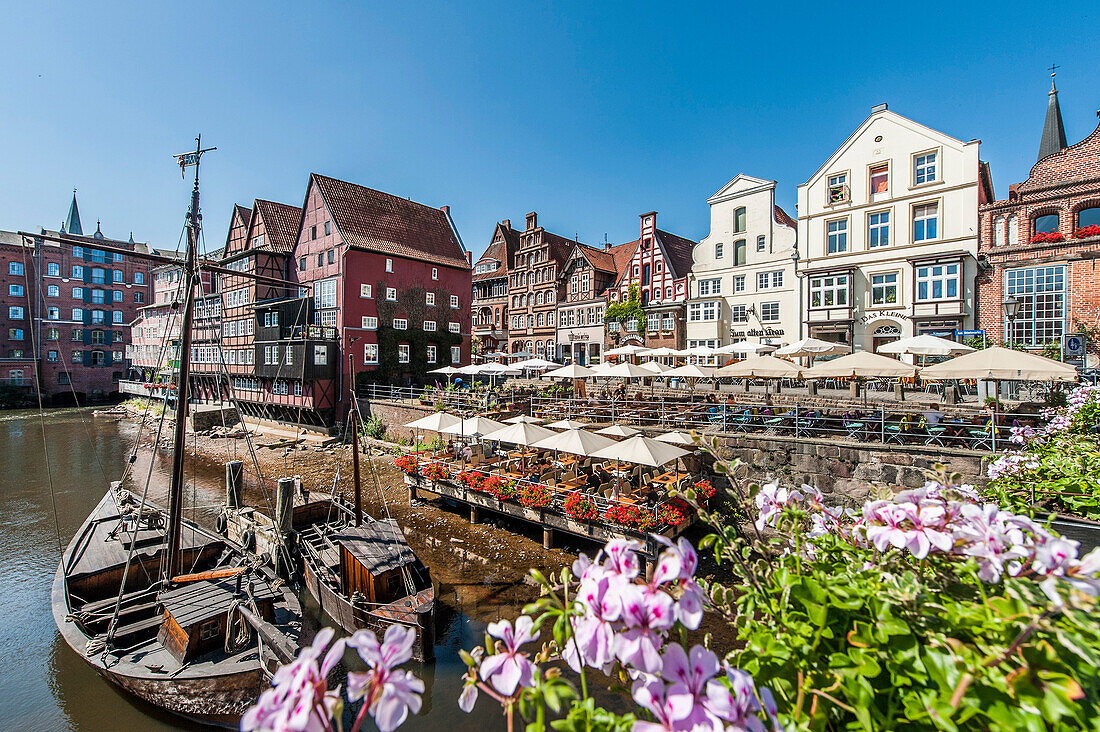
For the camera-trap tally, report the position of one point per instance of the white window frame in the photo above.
(370, 353)
(940, 273)
(429, 326)
(320, 355)
(767, 309)
(925, 218)
(403, 353)
(886, 282)
(433, 352)
(879, 227)
(370, 322)
(837, 285)
(845, 232)
(709, 287)
(389, 265)
(400, 324)
(366, 291)
(917, 168)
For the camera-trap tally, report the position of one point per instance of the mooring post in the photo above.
(234, 475)
(475, 514)
(547, 537)
(412, 492)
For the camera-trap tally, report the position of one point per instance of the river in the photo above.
(45, 686)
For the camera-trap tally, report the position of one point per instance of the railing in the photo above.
(893, 424)
(457, 401)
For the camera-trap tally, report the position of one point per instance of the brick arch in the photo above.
(1080, 206)
(1045, 210)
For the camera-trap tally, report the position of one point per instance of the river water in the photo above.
(44, 685)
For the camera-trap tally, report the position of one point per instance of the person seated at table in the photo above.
(651, 496)
(596, 478)
(465, 454)
(932, 417)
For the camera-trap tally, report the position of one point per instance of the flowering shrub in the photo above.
(534, 495)
(1086, 231)
(581, 508)
(1047, 237)
(406, 464)
(471, 479)
(674, 513)
(435, 471)
(498, 487)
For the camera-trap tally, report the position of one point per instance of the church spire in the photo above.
(1054, 134)
(72, 221)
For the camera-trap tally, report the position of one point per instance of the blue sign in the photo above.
(968, 333)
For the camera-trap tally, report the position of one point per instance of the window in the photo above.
(769, 280)
(453, 327)
(402, 353)
(739, 283)
(313, 232)
(429, 325)
(701, 311)
(432, 350)
(139, 278)
(320, 355)
(15, 268)
(63, 378)
(53, 291)
(15, 312)
(370, 353)
(429, 298)
(739, 314)
(884, 289)
(880, 179)
(769, 312)
(370, 322)
(52, 356)
(718, 251)
(1088, 217)
(938, 281)
(15, 290)
(837, 236)
(321, 259)
(1042, 292)
(324, 294)
(289, 351)
(739, 220)
(837, 189)
(926, 221)
(454, 299)
(1045, 224)
(116, 296)
(541, 319)
(653, 322)
(78, 272)
(366, 291)
(710, 287)
(53, 269)
(924, 168)
(301, 264)
(78, 314)
(827, 292)
(78, 293)
(761, 243)
(435, 276)
(391, 294)
(15, 334)
(400, 324)
(53, 334)
(116, 276)
(280, 388)
(139, 297)
(237, 298)
(78, 334)
(116, 316)
(878, 229)
(98, 358)
(271, 319)
(456, 354)
(389, 265)
(271, 355)
(328, 228)
(99, 276)
(740, 254)
(99, 297)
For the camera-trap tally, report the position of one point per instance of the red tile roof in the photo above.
(380, 222)
(280, 224)
(782, 217)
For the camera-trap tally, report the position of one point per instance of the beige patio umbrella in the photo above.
(523, 433)
(434, 422)
(691, 371)
(662, 351)
(473, 427)
(745, 347)
(575, 442)
(627, 371)
(572, 371)
(813, 347)
(1001, 364)
(627, 351)
(762, 367)
(675, 438)
(566, 424)
(925, 345)
(860, 364)
(642, 450)
(619, 430)
(655, 368)
(520, 418)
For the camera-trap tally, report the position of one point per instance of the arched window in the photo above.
(550, 350)
(549, 296)
(530, 321)
(739, 220)
(550, 319)
(739, 251)
(539, 348)
(1045, 224)
(542, 319)
(1088, 217)
(1013, 227)
(999, 231)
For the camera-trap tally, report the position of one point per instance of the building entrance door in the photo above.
(883, 335)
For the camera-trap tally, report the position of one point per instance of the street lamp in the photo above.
(798, 281)
(1012, 306)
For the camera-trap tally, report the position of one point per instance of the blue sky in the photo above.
(589, 113)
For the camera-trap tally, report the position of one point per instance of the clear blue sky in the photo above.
(589, 113)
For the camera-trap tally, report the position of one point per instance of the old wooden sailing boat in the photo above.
(176, 615)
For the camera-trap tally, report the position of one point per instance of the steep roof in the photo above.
(677, 251)
(782, 217)
(242, 212)
(500, 251)
(1054, 134)
(380, 222)
(280, 224)
(72, 221)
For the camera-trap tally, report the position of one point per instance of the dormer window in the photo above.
(837, 190)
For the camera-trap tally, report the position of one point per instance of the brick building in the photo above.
(69, 306)
(154, 333)
(1039, 247)
(589, 274)
(490, 290)
(534, 289)
(658, 268)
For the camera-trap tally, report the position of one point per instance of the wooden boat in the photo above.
(176, 615)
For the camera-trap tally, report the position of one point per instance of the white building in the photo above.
(743, 284)
(888, 227)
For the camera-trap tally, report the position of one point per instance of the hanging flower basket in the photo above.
(535, 496)
(1047, 237)
(580, 508)
(406, 464)
(704, 490)
(436, 472)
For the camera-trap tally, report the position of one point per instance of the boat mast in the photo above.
(190, 280)
(353, 423)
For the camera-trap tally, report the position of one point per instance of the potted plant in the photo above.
(581, 508)
(406, 464)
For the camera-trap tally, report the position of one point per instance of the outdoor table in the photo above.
(667, 479)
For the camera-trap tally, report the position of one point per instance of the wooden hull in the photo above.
(351, 619)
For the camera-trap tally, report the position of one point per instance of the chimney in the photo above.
(469, 258)
(506, 223)
(606, 243)
(532, 221)
(445, 209)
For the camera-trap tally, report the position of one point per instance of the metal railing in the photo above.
(881, 423)
(455, 401)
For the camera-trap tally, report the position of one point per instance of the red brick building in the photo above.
(490, 290)
(1038, 248)
(590, 274)
(534, 289)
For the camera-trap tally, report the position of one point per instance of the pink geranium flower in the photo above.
(510, 668)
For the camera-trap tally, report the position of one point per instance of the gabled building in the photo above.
(589, 273)
(490, 290)
(534, 289)
(888, 228)
(743, 284)
(1038, 277)
(658, 270)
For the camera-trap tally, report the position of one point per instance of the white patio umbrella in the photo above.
(813, 347)
(471, 369)
(619, 430)
(662, 351)
(691, 371)
(925, 345)
(521, 418)
(535, 363)
(600, 369)
(642, 450)
(627, 351)
(767, 367)
(519, 434)
(656, 367)
(444, 370)
(473, 427)
(566, 424)
(681, 352)
(495, 368)
(675, 438)
(701, 351)
(626, 371)
(1001, 364)
(572, 371)
(521, 354)
(434, 422)
(746, 347)
(860, 364)
(575, 442)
